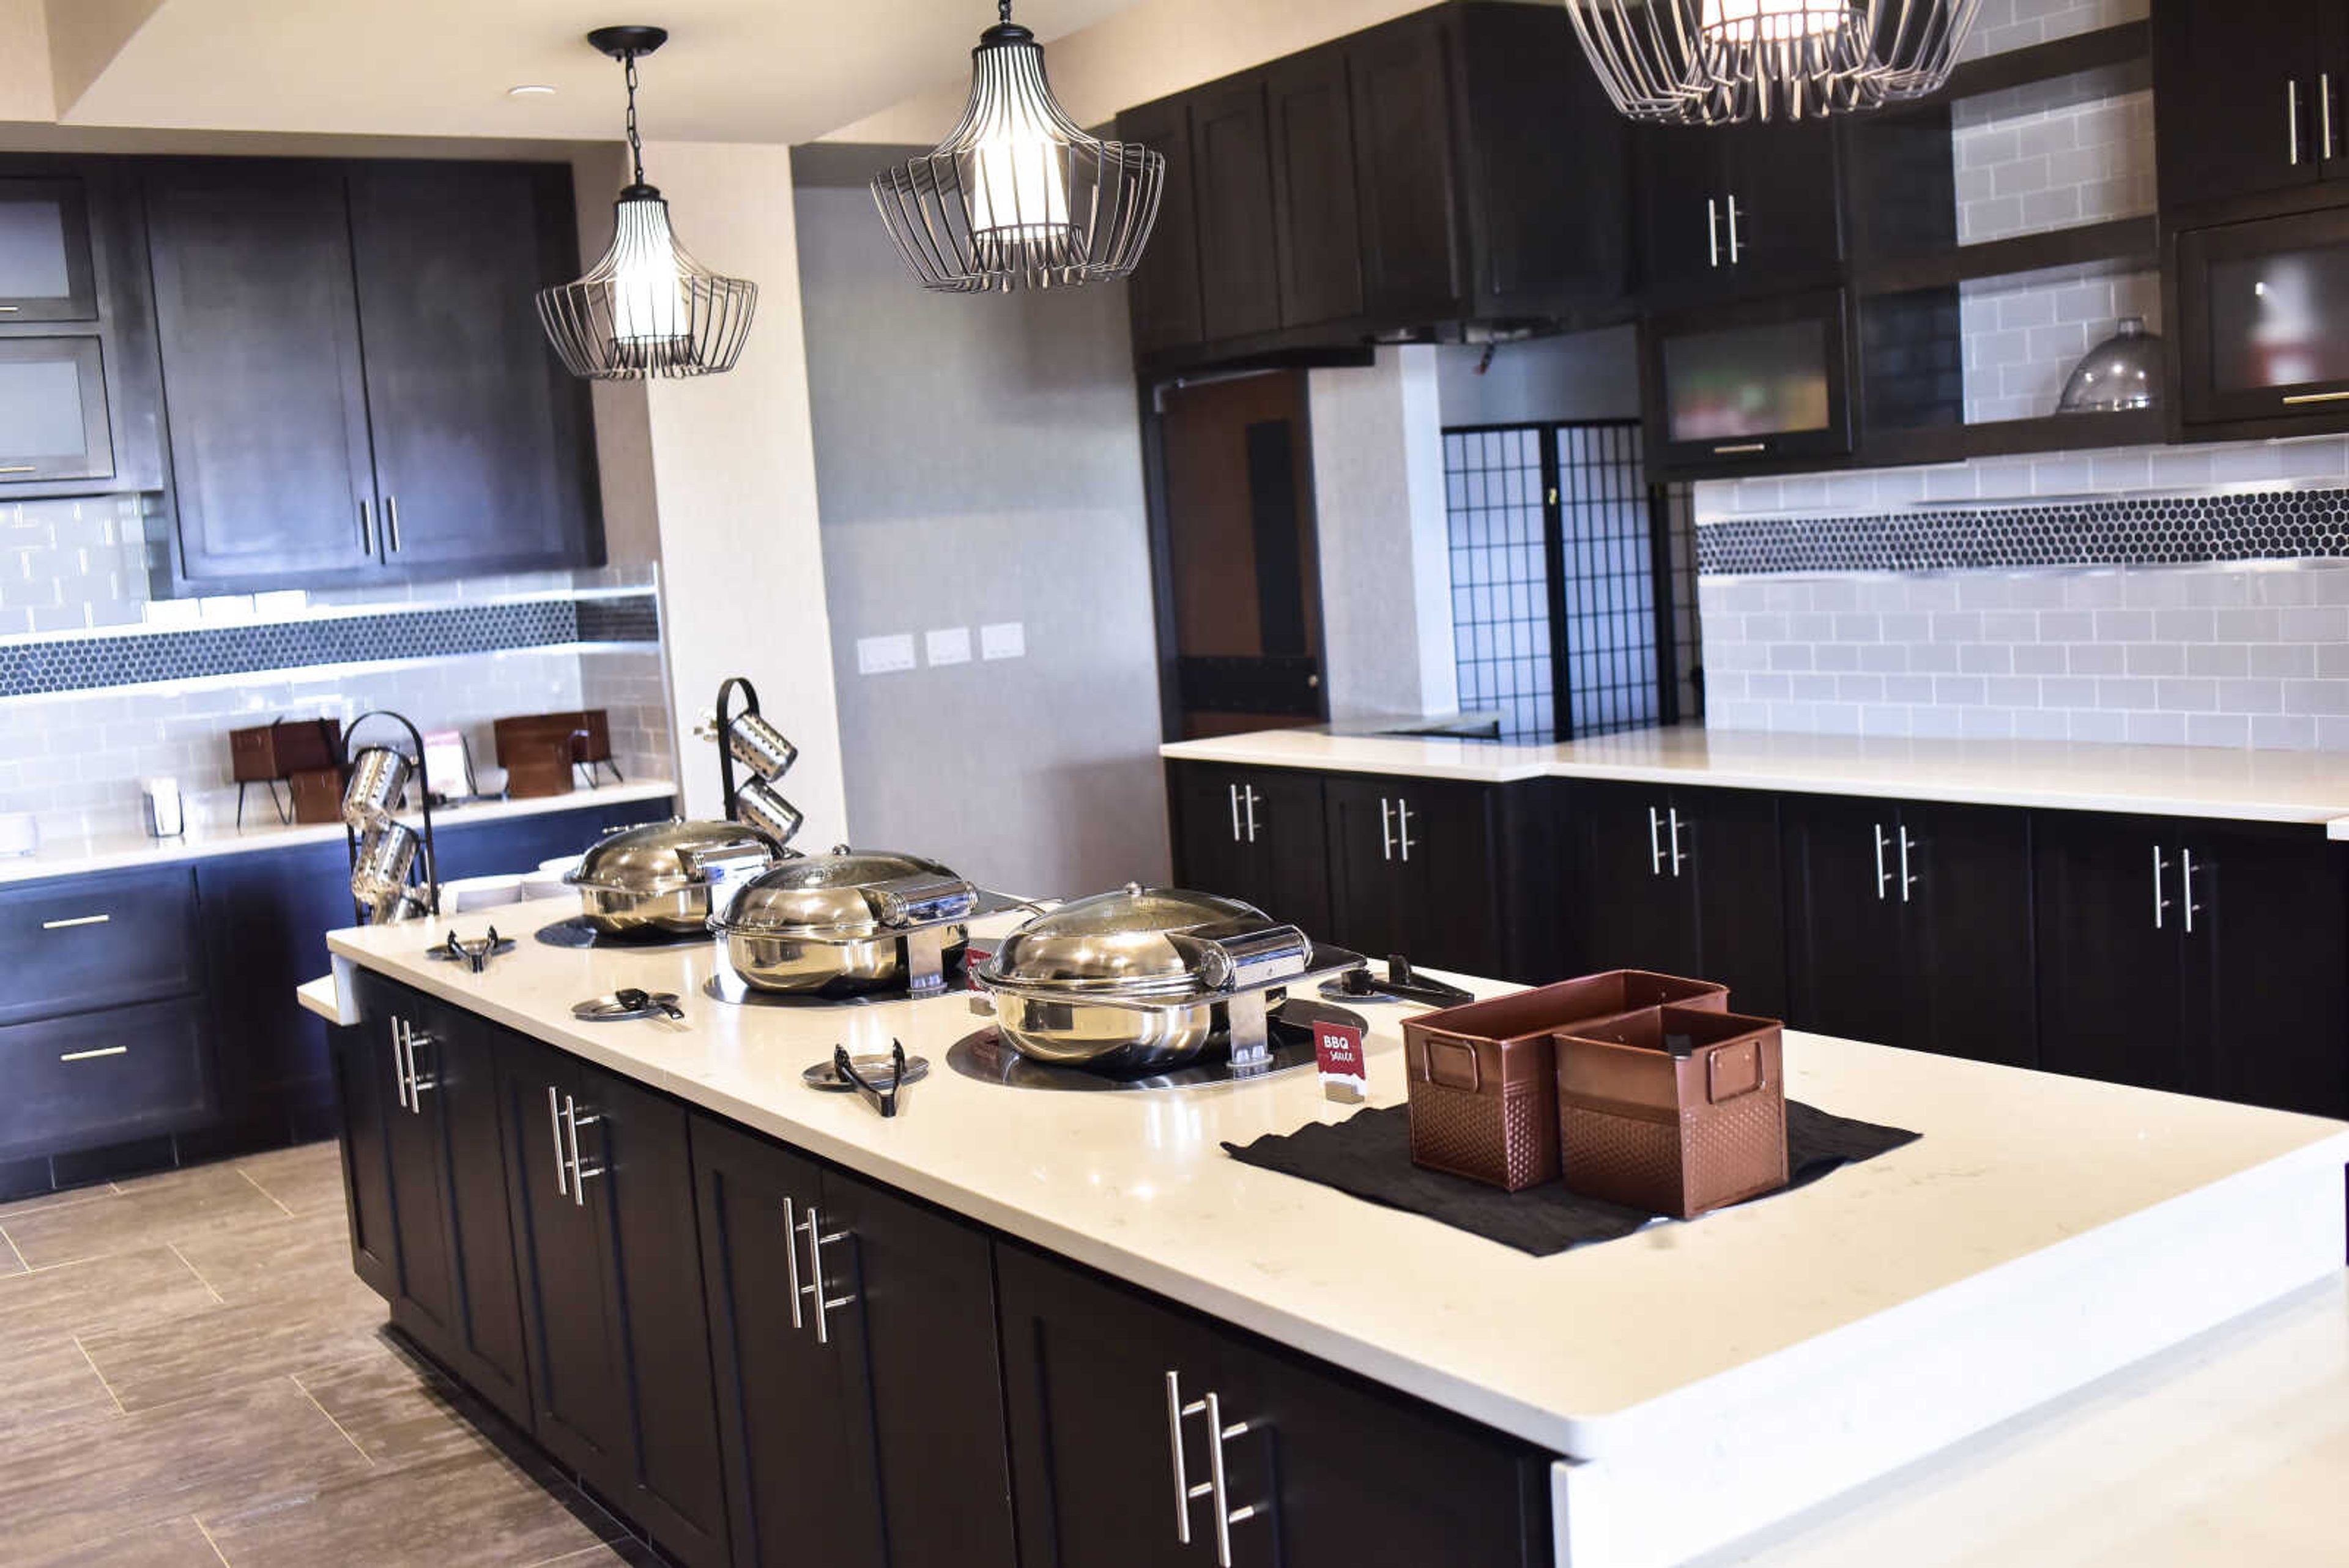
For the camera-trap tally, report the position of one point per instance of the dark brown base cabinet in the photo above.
(1256, 833)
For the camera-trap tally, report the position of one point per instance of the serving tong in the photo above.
(474, 955)
(1402, 983)
(863, 1074)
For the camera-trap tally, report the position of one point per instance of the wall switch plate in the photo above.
(885, 655)
(948, 645)
(1003, 639)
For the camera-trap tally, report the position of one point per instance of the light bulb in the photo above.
(1018, 190)
(652, 320)
(1750, 22)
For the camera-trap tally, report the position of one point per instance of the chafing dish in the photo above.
(666, 877)
(850, 922)
(1147, 979)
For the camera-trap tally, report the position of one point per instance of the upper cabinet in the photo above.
(2252, 95)
(1731, 212)
(356, 386)
(1459, 164)
(44, 253)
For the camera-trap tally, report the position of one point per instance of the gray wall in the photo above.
(978, 460)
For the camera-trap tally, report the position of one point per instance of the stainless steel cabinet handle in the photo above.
(417, 1082)
(554, 1125)
(2160, 904)
(1252, 797)
(92, 1055)
(2324, 113)
(1713, 227)
(1184, 1493)
(1226, 1514)
(21, 468)
(1883, 876)
(1403, 833)
(1741, 448)
(2186, 862)
(1677, 855)
(2297, 399)
(1386, 826)
(791, 1260)
(1234, 790)
(2291, 118)
(75, 922)
(814, 1288)
(1736, 246)
(572, 1122)
(399, 1063)
(1655, 842)
(391, 525)
(367, 528)
(1907, 881)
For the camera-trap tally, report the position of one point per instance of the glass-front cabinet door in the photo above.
(2265, 333)
(44, 267)
(53, 415)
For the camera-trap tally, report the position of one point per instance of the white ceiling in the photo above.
(776, 71)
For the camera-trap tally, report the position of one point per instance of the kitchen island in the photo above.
(1383, 1378)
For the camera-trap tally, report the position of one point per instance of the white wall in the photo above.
(1386, 575)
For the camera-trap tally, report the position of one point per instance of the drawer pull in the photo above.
(21, 468)
(77, 920)
(1741, 449)
(93, 1055)
(2299, 399)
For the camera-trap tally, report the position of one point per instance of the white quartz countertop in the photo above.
(124, 851)
(2310, 787)
(1559, 1351)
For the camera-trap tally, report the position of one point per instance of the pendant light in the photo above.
(648, 309)
(1716, 62)
(1018, 195)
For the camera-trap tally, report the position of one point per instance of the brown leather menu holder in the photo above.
(1676, 1110)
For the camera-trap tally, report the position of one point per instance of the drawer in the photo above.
(103, 1077)
(95, 941)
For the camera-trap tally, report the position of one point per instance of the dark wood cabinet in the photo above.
(1910, 925)
(1413, 869)
(1239, 259)
(54, 421)
(45, 268)
(2194, 957)
(1309, 115)
(1684, 881)
(1405, 172)
(1120, 1403)
(2251, 96)
(367, 1093)
(1163, 295)
(1737, 210)
(1254, 834)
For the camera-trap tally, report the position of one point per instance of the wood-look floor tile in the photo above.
(145, 1213)
(46, 1383)
(307, 1179)
(401, 1411)
(303, 1264)
(129, 1290)
(227, 1348)
(466, 1509)
(171, 1543)
(623, 1554)
(251, 1449)
(72, 1195)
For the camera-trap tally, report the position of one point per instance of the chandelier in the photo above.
(1715, 62)
(648, 309)
(1018, 195)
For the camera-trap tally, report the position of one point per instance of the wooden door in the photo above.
(1969, 977)
(917, 1338)
(2241, 102)
(1781, 214)
(2268, 1005)
(638, 1168)
(2108, 934)
(265, 396)
(1406, 175)
(1239, 262)
(1309, 109)
(363, 1084)
(1845, 920)
(1366, 880)
(1728, 842)
(1447, 869)
(1629, 910)
(1097, 1380)
(798, 1492)
(1163, 297)
(483, 452)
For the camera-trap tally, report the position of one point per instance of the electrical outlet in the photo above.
(948, 645)
(885, 655)
(1003, 639)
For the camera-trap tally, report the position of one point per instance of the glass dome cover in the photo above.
(2122, 372)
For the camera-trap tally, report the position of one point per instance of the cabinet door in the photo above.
(1405, 173)
(456, 1080)
(266, 916)
(1845, 947)
(1209, 828)
(53, 412)
(364, 1086)
(1097, 1379)
(419, 1195)
(919, 1323)
(1446, 868)
(1629, 910)
(1781, 216)
(1165, 295)
(1728, 841)
(1969, 976)
(45, 258)
(2108, 924)
(2267, 1000)
(1683, 245)
(264, 397)
(1258, 835)
(798, 1492)
(2240, 99)
(1231, 157)
(480, 438)
(638, 1168)
(1366, 885)
(1313, 198)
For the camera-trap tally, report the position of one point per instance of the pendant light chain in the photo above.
(636, 141)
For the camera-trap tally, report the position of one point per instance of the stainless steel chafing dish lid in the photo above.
(1157, 945)
(669, 857)
(847, 896)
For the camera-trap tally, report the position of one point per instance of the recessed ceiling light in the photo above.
(528, 89)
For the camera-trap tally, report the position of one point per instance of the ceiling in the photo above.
(774, 71)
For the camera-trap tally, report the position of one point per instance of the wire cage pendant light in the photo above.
(1716, 62)
(1018, 195)
(648, 309)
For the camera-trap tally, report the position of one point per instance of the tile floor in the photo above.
(190, 1375)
